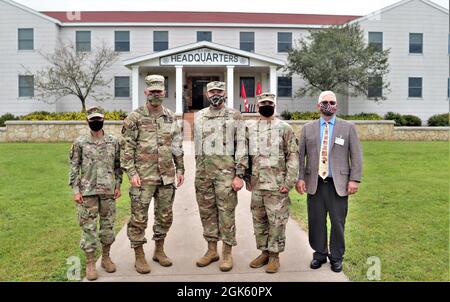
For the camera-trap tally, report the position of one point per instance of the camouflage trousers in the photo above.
(270, 211)
(92, 207)
(140, 202)
(216, 203)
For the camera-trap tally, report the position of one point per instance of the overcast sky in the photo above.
(338, 7)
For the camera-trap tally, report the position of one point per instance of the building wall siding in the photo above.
(396, 24)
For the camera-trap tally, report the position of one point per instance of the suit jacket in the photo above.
(346, 159)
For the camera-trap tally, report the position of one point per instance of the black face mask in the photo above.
(266, 111)
(96, 125)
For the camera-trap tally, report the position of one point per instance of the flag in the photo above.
(258, 89)
(244, 95)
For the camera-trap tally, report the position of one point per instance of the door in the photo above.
(199, 100)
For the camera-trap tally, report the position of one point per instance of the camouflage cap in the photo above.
(95, 111)
(155, 82)
(215, 85)
(269, 97)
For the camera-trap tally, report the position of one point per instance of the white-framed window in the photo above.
(26, 86)
(25, 38)
(83, 40)
(121, 87)
(204, 36)
(247, 41)
(375, 87)
(160, 40)
(415, 43)
(414, 87)
(284, 88)
(376, 40)
(249, 86)
(284, 41)
(122, 40)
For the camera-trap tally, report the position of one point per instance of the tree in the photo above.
(337, 59)
(72, 72)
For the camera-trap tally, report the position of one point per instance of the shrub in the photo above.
(286, 115)
(412, 120)
(362, 116)
(315, 115)
(69, 116)
(439, 120)
(398, 118)
(305, 115)
(7, 117)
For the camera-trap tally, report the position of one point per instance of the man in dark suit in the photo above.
(330, 173)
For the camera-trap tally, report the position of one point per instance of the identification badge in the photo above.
(339, 141)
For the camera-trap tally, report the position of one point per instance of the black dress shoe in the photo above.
(336, 266)
(315, 263)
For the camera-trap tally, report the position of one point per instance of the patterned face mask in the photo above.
(216, 100)
(155, 100)
(328, 109)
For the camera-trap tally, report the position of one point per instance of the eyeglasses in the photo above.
(329, 102)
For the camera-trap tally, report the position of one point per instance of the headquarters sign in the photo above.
(204, 56)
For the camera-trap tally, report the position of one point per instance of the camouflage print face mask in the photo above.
(155, 100)
(216, 100)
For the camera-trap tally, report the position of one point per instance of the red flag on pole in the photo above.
(244, 95)
(258, 89)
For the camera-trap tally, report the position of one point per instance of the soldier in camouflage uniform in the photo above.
(152, 156)
(221, 161)
(273, 154)
(95, 178)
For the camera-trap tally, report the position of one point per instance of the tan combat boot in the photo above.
(159, 255)
(107, 263)
(210, 256)
(141, 265)
(261, 260)
(226, 263)
(274, 263)
(91, 273)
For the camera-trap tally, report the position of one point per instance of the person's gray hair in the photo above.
(325, 93)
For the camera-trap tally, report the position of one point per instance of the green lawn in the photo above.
(38, 221)
(401, 213)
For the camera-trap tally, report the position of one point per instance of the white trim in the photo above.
(179, 89)
(200, 44)
(32, 11)
(198, 24)
(395, 5)
(135, 87)
(230, 86)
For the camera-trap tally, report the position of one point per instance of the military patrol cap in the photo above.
(215, 85)
(95, 111)
(155, 82)
(269, 97)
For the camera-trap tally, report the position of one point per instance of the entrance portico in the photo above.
(195, 64)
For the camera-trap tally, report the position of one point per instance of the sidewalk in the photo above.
(185, 244)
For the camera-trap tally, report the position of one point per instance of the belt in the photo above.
(327, 179)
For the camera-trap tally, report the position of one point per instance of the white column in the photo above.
(230, 87)
(135, 87)
(264, 83)
(179, 90)
(273, 79)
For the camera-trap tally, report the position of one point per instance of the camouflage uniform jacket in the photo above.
(151, 144)
(220, 141)
(95, 165)
(273, 153)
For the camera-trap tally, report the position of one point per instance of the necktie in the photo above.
(323, 163)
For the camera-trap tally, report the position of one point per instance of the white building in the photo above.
(192, 48)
